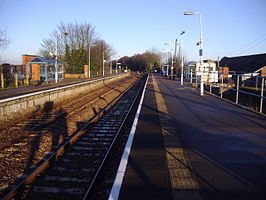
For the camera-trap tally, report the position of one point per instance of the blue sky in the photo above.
(230, 27)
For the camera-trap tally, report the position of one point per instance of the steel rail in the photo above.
(111, 145)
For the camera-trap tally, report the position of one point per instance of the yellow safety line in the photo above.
(184, 185)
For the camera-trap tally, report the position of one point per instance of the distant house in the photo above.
(9, 70)
(210, 72)
(246, 64)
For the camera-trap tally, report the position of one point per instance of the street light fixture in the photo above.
(200, 50)
(92, 45)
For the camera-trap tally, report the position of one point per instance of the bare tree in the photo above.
(72, 41)
(73, 46)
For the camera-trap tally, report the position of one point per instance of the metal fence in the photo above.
(247, 90)
(15, 76)
(12, 76)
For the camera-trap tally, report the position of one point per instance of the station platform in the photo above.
(188, 146)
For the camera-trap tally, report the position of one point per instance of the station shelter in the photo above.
(41, 68)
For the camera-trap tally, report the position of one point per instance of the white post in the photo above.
(182, 68)
(201, 58)
(46, 72)
(103, 63)
(261, 94)
(172, 66)
(16, 76)
(56, 62)
(56, 54)
(222, 86)
(89, 61)
(27, 74)
(167, 66)
(2, 77)
(210, 87)
(182, 58)
(200, 50)
(89, 70)
(237, 88)
(191, 75)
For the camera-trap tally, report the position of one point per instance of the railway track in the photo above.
(71, 171)
(26, 146)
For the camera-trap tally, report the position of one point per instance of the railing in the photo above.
(244, 89)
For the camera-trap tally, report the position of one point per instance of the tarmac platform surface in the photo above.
(188, 146)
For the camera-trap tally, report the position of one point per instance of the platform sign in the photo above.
(200, 52)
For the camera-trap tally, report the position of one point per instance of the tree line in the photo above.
(150, 60)
(72, 42)
(147, 61)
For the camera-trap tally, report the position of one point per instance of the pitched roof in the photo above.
(40, 59)
(249, 63)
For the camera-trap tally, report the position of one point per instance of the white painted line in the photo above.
(123, 163)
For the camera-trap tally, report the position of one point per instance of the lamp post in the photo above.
(200, 50)
(116, 64)
(92, 45)
(56, 54)
(163, 58)
(111, 67)
(103, 63)
(172, 64)
(167, 66)
(182, 58)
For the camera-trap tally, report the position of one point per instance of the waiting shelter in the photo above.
(43, 69)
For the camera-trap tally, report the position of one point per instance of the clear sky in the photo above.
(230, 27)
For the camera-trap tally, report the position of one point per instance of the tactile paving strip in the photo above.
(184, 184)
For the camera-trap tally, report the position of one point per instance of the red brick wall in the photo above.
(35, 72)
(25, 60)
